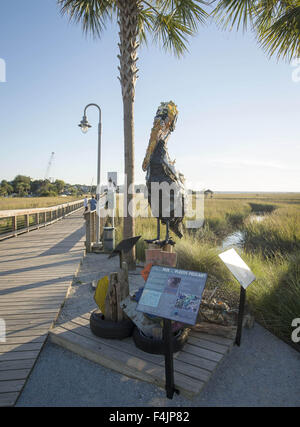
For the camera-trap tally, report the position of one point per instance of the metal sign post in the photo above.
(169, 365)
(240, 316)
(245, 277)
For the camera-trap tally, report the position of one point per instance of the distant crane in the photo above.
(49, 165)
(92, 185)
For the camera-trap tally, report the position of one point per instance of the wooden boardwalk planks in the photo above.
(193, 366)
(36, 271)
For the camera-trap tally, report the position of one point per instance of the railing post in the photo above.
(15, 224)
(37, 220)
(27, 222)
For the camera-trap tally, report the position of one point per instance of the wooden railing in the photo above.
(18, 221)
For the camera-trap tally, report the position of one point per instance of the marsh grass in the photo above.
(260, 208)
(9, 203)
(275, 296)
(278, 232)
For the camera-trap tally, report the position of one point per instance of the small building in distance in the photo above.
(208, 193)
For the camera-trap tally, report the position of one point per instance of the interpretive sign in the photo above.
(112, 178)
(245, 277)
(173, 294)
(238, 267)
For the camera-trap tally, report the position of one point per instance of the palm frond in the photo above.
(171, 22)
(92, 14)
(276, 22)
(235, 13)
(283, 35)
(144, 24)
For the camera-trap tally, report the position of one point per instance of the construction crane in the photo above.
(49, 165)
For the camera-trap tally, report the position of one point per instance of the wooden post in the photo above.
(37, 220)
(111, 311)
(27, 222)
(90, 218)
(94, 226)
(15, 224)
(123, 279)
(118, 290)
(88, 239)
(122, 289)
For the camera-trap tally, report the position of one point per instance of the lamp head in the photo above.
(84, 124)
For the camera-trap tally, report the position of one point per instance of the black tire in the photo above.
(155, 345)
(109, 329)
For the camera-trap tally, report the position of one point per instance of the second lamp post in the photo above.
(84, 125)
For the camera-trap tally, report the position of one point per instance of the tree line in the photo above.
(23, 186)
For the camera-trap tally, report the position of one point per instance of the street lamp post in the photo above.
(84, 125)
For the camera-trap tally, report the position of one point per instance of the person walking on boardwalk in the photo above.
(85, 204)
(93, 203)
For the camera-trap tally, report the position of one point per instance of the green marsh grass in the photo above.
(9, 203)
(278, 232)
(275, 296)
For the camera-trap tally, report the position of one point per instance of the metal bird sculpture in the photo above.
(167, 204)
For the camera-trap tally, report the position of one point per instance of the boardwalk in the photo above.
(36, 270)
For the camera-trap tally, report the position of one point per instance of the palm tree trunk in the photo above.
(128, 23)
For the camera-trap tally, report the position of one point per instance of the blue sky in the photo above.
(238, 124)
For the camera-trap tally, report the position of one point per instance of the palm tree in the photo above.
(276, 23)
(168, 22)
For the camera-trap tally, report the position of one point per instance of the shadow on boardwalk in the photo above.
(66, 244)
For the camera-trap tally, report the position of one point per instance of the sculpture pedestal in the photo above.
(161, 256)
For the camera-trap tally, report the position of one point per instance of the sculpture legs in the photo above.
(168, 240)
(158, 233)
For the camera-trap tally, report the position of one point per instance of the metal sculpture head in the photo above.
(164, 123)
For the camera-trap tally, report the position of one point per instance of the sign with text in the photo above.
(238, 267)
(173, 294)
(112, 179)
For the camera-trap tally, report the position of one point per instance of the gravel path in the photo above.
(262, 372)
